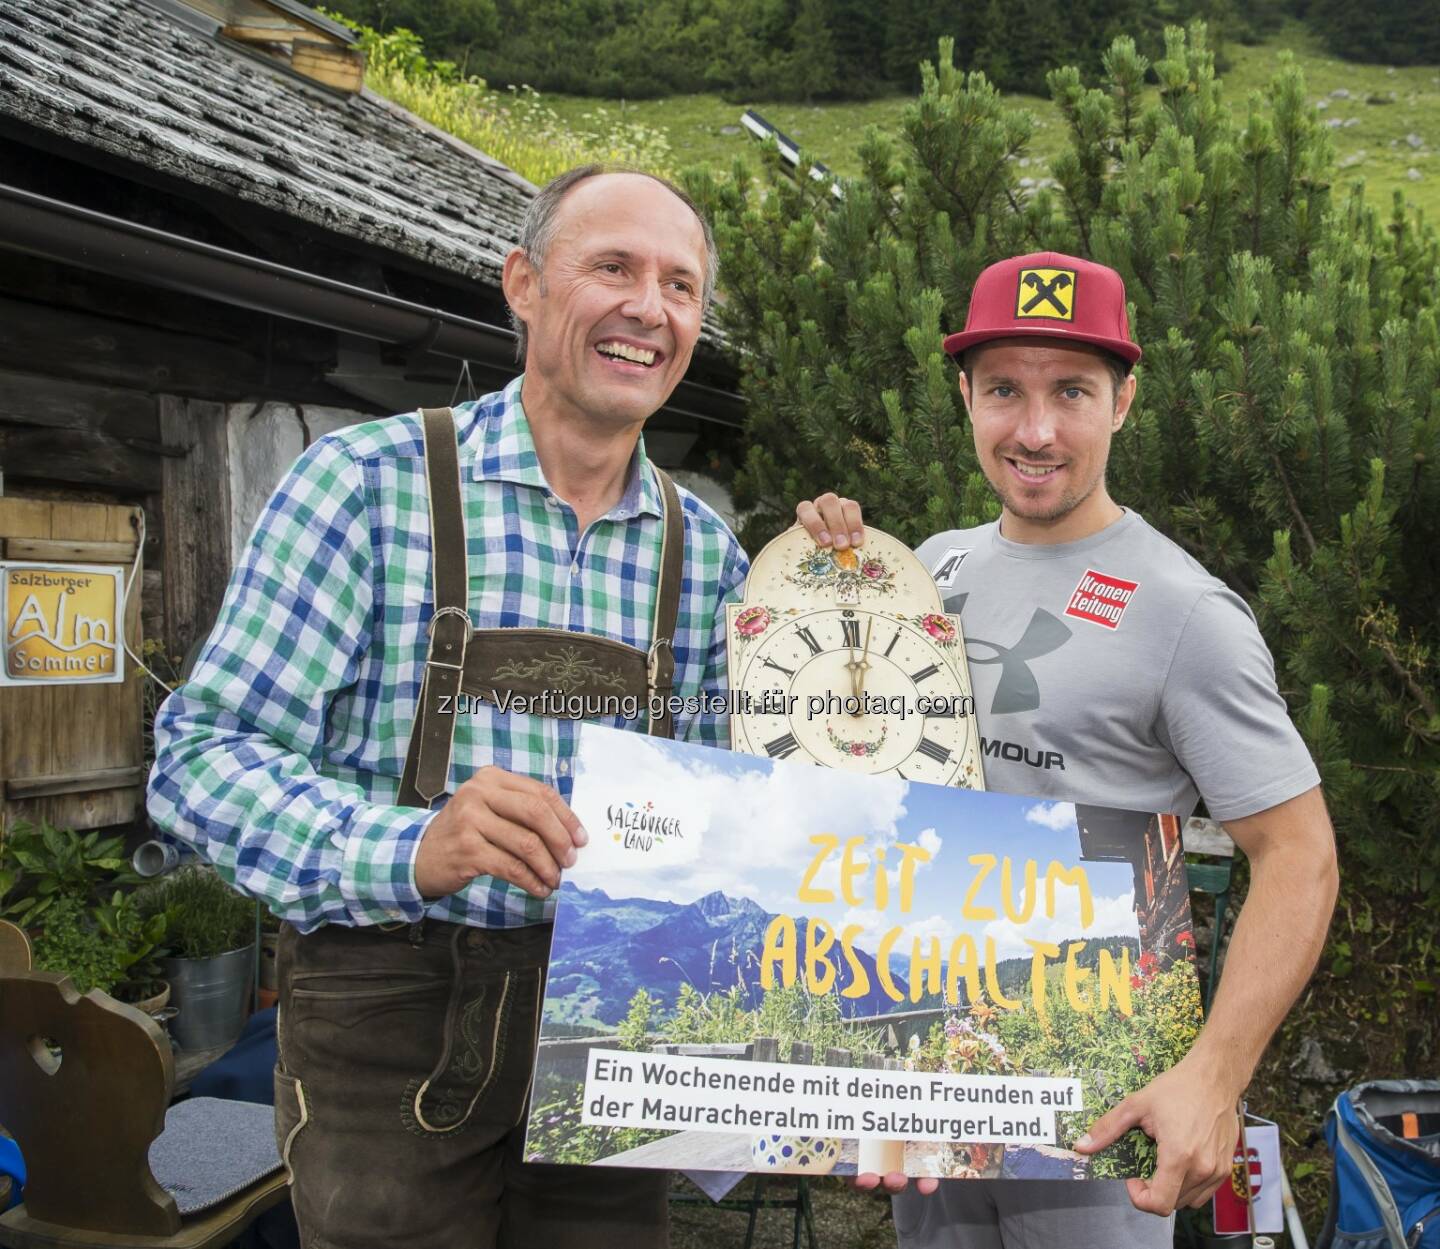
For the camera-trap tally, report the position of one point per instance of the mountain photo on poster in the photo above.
(762, 965)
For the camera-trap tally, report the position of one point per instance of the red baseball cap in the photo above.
(1048, 295)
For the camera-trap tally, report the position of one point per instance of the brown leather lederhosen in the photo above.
(483, 663)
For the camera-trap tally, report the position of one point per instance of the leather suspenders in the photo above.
(531, 662)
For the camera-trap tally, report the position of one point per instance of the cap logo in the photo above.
(1046, 293)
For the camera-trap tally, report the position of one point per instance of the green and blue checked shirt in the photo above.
(279, 760)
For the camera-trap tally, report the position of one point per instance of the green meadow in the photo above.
(1376, 126)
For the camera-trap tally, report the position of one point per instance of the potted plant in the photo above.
(209, 953)
(40, 864)
(137, 938)
(52, 881)
(72, 944)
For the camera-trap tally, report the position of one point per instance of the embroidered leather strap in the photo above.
(529, 662)
(427, 763)
(660, 665)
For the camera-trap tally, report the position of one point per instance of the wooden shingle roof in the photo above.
(152, 84)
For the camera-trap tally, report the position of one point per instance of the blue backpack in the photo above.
(1385, 1194)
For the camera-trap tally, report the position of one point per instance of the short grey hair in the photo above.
(541, 220)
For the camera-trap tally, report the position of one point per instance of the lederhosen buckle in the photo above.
(449, 611)
(525, 661)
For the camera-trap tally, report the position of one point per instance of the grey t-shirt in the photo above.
(1116, 671)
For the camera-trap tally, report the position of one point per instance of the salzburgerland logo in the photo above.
(640, 828)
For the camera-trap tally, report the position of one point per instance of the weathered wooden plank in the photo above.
(98, 726)
(40, 281)
(77, 783)
(196, 516)
(74, 345)
(84, 456)
(152, 603)
(25, 716)
(341, 68)
(64, 731)
(25, 518)
(30, 399)
(64, 551)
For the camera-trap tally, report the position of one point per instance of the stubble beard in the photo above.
(1014, 503)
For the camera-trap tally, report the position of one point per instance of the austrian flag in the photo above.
(1101, 599)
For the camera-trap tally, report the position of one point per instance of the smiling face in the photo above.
(614, 312)
(1043, 413)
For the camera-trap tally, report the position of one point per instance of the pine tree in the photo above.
(1287, 425)
(1393, 31)
(812, 63)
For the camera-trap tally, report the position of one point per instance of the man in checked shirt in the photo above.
(405, 1047)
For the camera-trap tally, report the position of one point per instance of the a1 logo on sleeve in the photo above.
(1101, 599)
(949, 565)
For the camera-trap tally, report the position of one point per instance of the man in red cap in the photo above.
(1110, 668)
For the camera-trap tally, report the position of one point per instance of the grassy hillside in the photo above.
(1384, 106)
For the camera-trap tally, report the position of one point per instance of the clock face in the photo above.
(848, 660)
(849, 687)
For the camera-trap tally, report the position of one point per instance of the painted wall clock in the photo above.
(849, 660)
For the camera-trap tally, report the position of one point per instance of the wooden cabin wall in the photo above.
(118, 393)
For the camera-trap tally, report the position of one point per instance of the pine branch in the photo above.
(1293, 505)
(1374, 632)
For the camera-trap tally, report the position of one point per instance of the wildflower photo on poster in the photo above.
(768, 966)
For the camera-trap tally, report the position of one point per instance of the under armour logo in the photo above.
(1018, 690)
(1048, 293)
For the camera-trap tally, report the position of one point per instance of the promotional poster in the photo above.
(767, 966)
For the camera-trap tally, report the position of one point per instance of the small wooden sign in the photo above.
(64, 624)
(73, 752)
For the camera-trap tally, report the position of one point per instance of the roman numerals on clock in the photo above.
(866, 688)
(933, 750)
(782, 747)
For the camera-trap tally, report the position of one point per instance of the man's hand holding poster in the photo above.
(767, 966)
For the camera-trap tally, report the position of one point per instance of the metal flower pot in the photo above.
(212, 994)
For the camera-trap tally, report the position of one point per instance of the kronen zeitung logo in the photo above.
(641, 828)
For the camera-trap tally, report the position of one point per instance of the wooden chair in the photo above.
(14, 956)
(14, 948)
(85, 1122)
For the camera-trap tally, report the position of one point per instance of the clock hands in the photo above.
(864, 659)
(858, 669)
